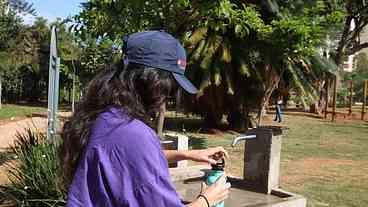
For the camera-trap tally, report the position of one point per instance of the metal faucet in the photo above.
(237, 139)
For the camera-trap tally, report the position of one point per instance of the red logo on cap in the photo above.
(182, 64)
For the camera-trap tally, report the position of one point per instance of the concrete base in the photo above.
(262, 158)
(188, 184)
(176, 141)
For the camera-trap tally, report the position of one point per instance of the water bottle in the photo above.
(214, 174)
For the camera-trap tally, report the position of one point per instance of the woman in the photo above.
(110, 155)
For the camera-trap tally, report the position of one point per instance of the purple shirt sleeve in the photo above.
(123, 167)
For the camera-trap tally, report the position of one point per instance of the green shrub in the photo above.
(34, 172)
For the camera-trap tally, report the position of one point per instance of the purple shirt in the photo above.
(122, 165)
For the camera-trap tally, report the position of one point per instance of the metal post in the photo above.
(50, 120)
(56, 95)
(1, 88)
(73, 90)
(53, 91)
(326, 106)
(364, 98)
(351, 98)
(334, 100)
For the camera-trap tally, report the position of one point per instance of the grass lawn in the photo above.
(327, 162)
(323, 161)
(10, 110)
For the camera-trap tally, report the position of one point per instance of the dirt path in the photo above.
(8, 131)
(298, 172)
(7, 134)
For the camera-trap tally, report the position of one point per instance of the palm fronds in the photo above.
(22, 6)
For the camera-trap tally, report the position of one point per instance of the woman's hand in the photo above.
(209, 155)
(217, 192)
(214, 194)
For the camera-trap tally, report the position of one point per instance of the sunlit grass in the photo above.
(11, 110)
(325, 162)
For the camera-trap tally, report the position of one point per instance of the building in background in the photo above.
(348, 64)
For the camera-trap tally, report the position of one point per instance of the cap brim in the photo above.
(185, 83)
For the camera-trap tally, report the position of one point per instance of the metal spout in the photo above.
(237, 139)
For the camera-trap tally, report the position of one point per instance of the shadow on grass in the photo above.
(363, 127)
(30, 104)
(62, 106)
(302, 114)
(198, 142)
(193, 125)
(189, 124)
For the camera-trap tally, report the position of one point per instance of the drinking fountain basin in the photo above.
(242, 194)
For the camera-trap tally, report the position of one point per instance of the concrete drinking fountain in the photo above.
(259, 186)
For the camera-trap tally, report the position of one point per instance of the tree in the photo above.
(31, 55)
(9, 28)
(268, 57)
(217, 19)
(70, 52)
(96, 54)
(10, 20)
(238, 50)
(21, 6)
(355, 21)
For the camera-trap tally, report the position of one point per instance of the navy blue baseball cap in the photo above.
(159, 50)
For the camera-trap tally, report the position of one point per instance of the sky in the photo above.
(51, 9)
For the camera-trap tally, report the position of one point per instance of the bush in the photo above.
(34, 172)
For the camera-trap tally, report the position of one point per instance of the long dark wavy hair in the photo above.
(137, 90)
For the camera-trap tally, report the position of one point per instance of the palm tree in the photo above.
(21, 6)
(309, 77)
(239, 51)
(237, 74)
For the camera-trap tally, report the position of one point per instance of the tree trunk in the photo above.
(364, 98)
(342, 42)
(248, 119)
(212, 120)
(213, 111)
(161, 120)
(69, 94)
(236, 120)
(1, 87)
(334, 99)
(240, 120)
(351, 98)
(264, 102)
(326, 97)
(271, 83)
(73, 93)
(318, 106)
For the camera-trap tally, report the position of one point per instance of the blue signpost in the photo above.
(53, 92)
